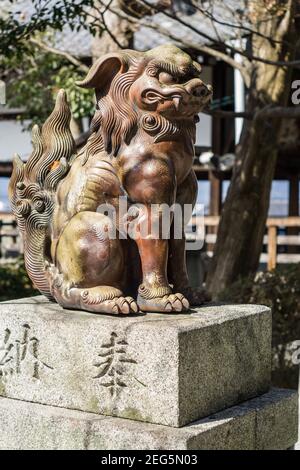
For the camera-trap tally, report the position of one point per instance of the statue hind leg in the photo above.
(89, 267)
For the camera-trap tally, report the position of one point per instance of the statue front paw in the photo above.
(95, 302)
(161, 299)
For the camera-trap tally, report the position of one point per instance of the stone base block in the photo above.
(165, 369)
(267, 422)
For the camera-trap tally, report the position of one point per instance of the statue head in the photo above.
(170, 85)
(159, 91)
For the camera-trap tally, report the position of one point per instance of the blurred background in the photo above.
(247, 145)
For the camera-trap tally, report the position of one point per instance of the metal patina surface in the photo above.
(140, 151)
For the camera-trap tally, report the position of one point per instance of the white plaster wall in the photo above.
(13, 139)
(204, 128)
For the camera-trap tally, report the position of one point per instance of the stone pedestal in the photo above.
(267, 422)
(166, 370)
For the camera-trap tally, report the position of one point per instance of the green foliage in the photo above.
(15, 29)
(33, 76)
(34, 83)
(280, 290)
(81, 99)
(14, 281)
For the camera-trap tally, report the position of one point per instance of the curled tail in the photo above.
(33, 185)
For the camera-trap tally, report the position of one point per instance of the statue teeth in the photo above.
(176, 101)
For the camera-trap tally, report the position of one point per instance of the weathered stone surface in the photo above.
(275, 420)
(297, 446)
(257, 424)
(165, 369)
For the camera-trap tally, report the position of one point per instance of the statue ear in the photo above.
(103, 71)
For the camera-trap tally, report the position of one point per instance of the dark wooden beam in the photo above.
(294, 195)
(293, 208)
(217, 127)
(10, 113)
(5, 168)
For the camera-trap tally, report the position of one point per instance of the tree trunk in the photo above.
(242, 224)
(118, 32)
(120, 20)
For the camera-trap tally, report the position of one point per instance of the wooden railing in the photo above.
(9, 235)
(272, 240)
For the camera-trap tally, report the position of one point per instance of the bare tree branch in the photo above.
(244, 28)
(206, 49)
(229, 60)
(61, 53)
(101, 13)
(228, 46)
(279, 112)
(219, 113)
(269, 112)
(287, 18)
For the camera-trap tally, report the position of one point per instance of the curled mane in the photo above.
(115, 120)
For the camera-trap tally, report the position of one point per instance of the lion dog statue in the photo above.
(141, 148)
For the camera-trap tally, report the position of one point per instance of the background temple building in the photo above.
(216, 136)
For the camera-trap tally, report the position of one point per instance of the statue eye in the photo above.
(166, 78)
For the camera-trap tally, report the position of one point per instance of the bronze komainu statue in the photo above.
(141, 148)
